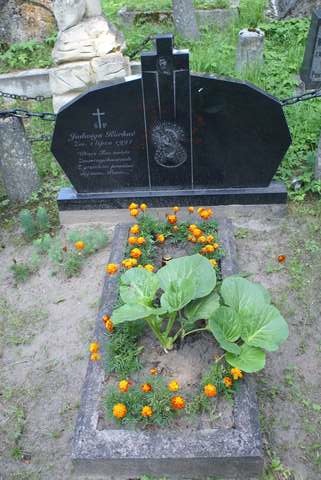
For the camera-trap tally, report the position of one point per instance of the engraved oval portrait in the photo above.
(167, 137)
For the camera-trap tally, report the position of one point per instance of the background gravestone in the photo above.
(171, 136)
(296, 8)
(311, 68)
(18, 171)
(185, 19)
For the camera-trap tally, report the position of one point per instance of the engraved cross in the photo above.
(99, 114)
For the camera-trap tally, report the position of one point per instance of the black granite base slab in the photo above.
(234, 453)
(275, 193)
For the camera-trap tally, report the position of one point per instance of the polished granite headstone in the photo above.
(168, 136)
(311, 67)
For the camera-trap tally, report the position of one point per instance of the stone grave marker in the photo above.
(311, 67)
(170, 137)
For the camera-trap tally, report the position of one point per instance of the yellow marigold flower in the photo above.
(133, 206)
(95, 357)
(216, 246)
(134, 212)
(197, 232)
(200, 209)
(94, 347)
(129, 263)
(141, 241)
(206, 214)
(149, 267)
(109, 326)
(120, 410)
(135, 229)
(153, 371)
(191, 209)
(143, 207)
(106, 318)
(178, 403)
(175, 209)
(228, 382)
(80, 245)
(132, 240)
(213, 262)
(111, 268)
(147, 411)
(202, 239)
(210, 238)
(209, 248)
(236, 373)
(160, 238)
(123, 385)
(193, 239)
(146, 387)
(210, 390)
(192, 227)
(173, 386)
(172, 219)
(135, 253)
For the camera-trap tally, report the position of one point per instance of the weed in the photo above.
(33, 226)
(23, 270)
(122, 349)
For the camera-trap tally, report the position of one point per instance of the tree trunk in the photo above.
(185, 19)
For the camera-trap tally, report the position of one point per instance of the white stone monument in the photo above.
(88, 50)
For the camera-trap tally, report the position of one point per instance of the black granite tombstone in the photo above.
(311, 67)
(170, 137)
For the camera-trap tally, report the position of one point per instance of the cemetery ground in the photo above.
(50, 320)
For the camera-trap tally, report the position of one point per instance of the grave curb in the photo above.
(120, 454)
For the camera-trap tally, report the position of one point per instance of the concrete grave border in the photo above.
(122, 454)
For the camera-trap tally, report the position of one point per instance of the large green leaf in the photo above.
(267, 329)
(132, 312)
(178, 294)
(138, 286)
(226, 328)
(243, 295)
(202, 308)
(193, 266)
(251, 359)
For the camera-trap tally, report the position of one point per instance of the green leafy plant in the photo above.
(34, 225)
(23, 270)
(186, 283)
(122, 349)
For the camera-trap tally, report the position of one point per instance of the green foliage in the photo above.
(247, 315)
(122, 349)
(252, 12)
(23, 270)
(94, 239)
(182, 281)
(34, 225)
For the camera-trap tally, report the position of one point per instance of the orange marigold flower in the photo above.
(209, 248)
(134, 212)
(200, 209)
(80, 245)
(123, 385)
(143, 207)
(109, 326)
(94, 347)
(129, 263)
(173, 386)
(149, 267)
(178, 403)
(95, 357)
(153, 371)
(228, 382)
(172, 219)
(191, 209)
(147, 411)
(120, 410)
(210, 238)
(236, 373)
(210, 390)
(106, 318)
(146, 387)
(160, 238)
(216, 246)
(135, 229)
(175, 209)
(141, 241)
(197, 232)
(281, 258)
(111, 268)
(205, 214)
(132, 240)
(133, 206)
(192, 227)
(202, 239)
(213, 262)
(135, 253)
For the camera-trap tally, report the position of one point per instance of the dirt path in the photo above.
(49, 321)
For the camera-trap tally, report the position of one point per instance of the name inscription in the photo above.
(104, 153)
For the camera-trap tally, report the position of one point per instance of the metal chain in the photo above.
(301, 98)
(20, 113)
(15, 96)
